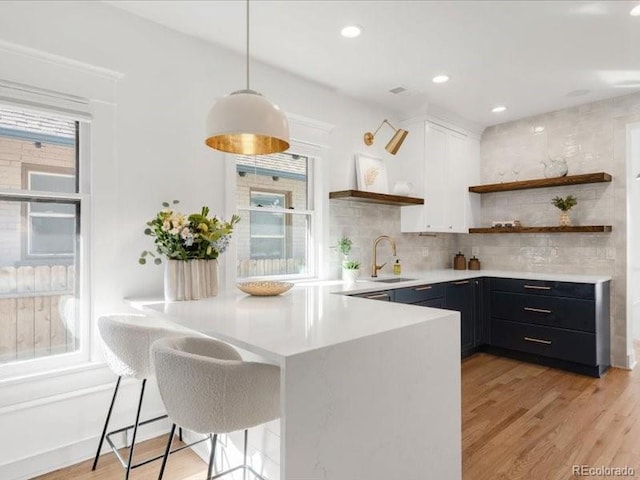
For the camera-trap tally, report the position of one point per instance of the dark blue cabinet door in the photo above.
(460, 296)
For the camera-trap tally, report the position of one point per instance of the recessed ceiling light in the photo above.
(440, 79)
(635, 11)
(499, 109)
(351, 31)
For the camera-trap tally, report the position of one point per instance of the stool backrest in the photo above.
(206, 387)
(127, 341)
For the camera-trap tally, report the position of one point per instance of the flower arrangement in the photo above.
(197, 236)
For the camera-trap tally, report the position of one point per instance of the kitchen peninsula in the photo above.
(368, 389)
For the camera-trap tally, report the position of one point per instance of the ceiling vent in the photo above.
(398, 90)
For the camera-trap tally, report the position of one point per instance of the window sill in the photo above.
(16, 392)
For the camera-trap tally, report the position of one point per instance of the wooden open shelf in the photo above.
(380, 198)
(571, 229)
(598, 177)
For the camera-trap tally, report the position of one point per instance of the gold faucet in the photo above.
(375, 267)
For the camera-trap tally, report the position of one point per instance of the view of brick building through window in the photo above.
(273, 200)
(37, 236)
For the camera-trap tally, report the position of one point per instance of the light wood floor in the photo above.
(519, 421)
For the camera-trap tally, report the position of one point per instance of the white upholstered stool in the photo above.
(207, 388)
(127, 341)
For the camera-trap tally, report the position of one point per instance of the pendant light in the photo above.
(245, 122)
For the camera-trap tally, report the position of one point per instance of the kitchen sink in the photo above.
(392, 280)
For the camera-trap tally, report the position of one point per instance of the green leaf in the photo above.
(157, 261)
(165, 204)
(143, 254)
(176, 201)
(142, 261)
(147, 231)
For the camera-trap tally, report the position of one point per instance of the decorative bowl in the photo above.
(264, 288)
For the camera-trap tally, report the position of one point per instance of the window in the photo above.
(40, 217)
(273, 198)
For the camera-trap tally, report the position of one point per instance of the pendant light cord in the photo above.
(247, 44)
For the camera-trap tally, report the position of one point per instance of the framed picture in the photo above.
(371, 174)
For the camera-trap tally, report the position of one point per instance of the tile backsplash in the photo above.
(363, 222)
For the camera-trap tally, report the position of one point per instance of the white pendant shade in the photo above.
(245, 122)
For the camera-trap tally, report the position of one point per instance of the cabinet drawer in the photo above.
(579, 347)
(419, 293)
(433, 303)
(560, 312)
(386, 296)
(584, 291)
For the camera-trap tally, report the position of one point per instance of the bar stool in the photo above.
(207, 388)
(127, 341)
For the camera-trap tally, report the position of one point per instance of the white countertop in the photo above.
(308, 317)
(368, 284)
(319, 314)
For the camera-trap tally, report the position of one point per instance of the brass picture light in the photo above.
(396, 141)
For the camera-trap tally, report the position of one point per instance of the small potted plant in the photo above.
(350, 271)
(344, 245)
(565, 205)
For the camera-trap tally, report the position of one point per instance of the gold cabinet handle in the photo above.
(537, 310)
(382, 295)
(420, 289)
(537, 287)
(537, 340)
(463, 282)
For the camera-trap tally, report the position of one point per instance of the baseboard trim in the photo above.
(71, 454)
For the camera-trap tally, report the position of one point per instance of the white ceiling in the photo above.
(527, 55)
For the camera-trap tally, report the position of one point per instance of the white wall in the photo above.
(633, 229)
(155, 153)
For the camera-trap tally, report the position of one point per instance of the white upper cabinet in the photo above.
(442, 173)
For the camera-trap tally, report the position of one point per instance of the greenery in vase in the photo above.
(565, 204)
(198, 236)
(351, 265)
(344, 245)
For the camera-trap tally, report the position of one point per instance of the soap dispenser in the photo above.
(397, 267)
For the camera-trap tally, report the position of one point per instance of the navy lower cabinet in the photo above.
(559, 324)
(461, 297)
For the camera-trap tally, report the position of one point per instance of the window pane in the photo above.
(52, 236)
(272, 176)
(38, 294)
(50, 208)
(276, 255)
(262, 248)
(265, 224)
(266, 199)
(47, 182)
(35, 143)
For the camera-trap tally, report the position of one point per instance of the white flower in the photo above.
(166, 226)
(174, 231)
(186, 233)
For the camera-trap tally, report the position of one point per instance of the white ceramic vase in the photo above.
(350, 276)
(190, 279)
